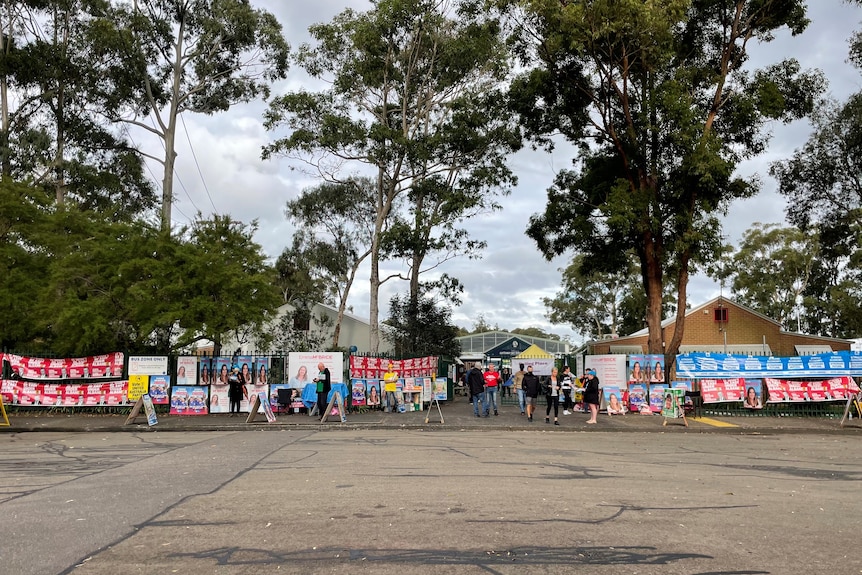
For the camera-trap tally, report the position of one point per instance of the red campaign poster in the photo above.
(52, 394)
(56, 369)
(28, 394)
(71, 395)
(7, 390)
(373, 368)
(711, 390)
(838, 387)
(91, 395)
(100, 371)
(734, 389)
(78, 368)
(777, 391)
(817, 390)
(116, 393)
(796, 390)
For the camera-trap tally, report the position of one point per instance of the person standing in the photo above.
(506, 387)
(390, 388)
(553, 396)
(324, 384)
(492, 384)
(531, 387)
(519, 386)
(476, 383)
(236, 390)
(567, 384)
(591, 394)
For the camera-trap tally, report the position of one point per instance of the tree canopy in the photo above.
(662, 107)
(414, 102)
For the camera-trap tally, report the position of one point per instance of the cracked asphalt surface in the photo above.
(408, 501)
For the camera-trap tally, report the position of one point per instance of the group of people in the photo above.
(483, 387)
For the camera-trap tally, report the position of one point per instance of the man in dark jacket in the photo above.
(532, 387)
(476, 383)
(324, 385)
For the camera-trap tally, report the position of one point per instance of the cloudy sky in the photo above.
(507, 285)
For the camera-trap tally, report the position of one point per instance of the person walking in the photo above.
(591, 394)
(519, 389)
(476, 384)
(492, 385)
(567, 384)
(553, 397)
(531, 387)
(324, 384)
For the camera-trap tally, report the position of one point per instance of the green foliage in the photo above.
(772, 269)
(78, 283)
(598, 303)
(199, 56)
(418, 330)
(656, 97)
(415, 99)
(534, 332)
(225, 284)
(58, 91)
(821, 184)
(24, 219)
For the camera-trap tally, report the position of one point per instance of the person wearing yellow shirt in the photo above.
(390, 387)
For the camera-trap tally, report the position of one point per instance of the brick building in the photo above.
(724, 326)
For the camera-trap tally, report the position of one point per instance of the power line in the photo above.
(200, 172)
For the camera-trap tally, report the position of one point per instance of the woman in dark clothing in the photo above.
(236, 390)
(591, 394)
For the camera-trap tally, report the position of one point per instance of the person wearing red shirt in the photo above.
(492, 382)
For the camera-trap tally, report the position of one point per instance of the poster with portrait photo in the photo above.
(261, 371)
(180, 400)
(246, 368)
(613, 400)
(372, 392)
(640, 367)
(657, 392)
(186, 370)
(752, 398)
(205, 368)
(219, 401)
(253, 391)
(440, 388)
(672, 403)
(638, 397)
(357, 392)
(221, 369)
(159, 387)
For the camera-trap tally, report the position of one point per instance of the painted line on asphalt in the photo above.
(714, 422)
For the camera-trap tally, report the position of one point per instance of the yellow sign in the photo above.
(138, 386)
(5, 422)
